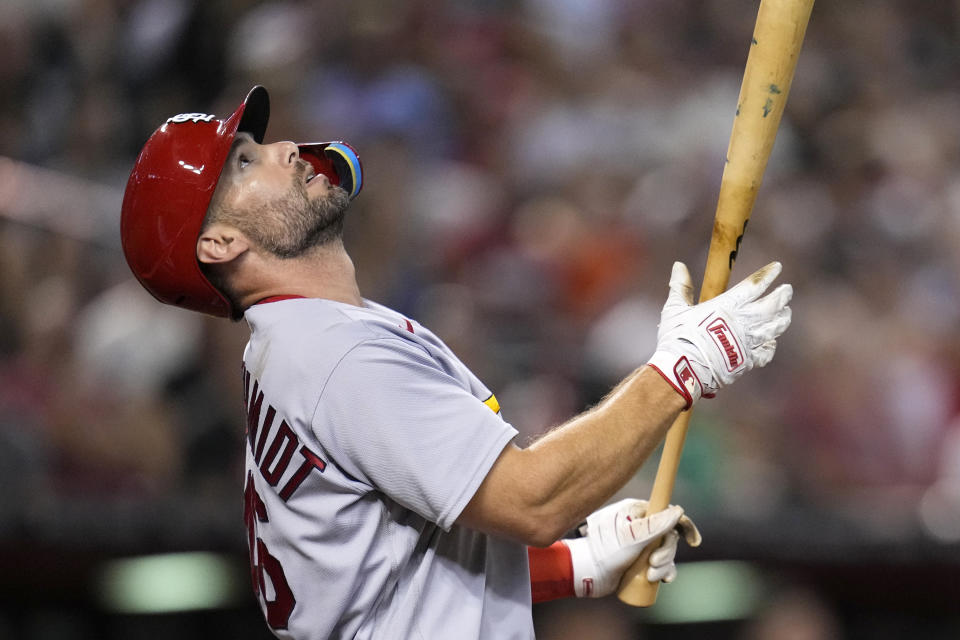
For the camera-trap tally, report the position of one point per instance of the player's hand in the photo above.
(614, 537)
(705, 347)
(662, 566)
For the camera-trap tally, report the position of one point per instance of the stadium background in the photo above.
(532, 170)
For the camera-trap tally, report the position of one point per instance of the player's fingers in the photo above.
(763, 354)
(655, 525)
(691, 535)
(665, 553)
(658, 574)
(670, 575)
(681, 286)
(773, 328)
(769, 304)
(768, 328)
(637, 508)
(753, 286)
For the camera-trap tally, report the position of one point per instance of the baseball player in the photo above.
(385, 496)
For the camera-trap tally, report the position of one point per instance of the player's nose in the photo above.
(286, 152)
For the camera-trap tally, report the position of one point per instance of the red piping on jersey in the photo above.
(277, 299)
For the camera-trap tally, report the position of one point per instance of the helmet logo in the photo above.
(191, 117)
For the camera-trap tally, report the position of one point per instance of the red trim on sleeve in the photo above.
(551, 572)
(277, 299)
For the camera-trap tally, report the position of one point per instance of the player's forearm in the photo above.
(580, 465)
(536, 494)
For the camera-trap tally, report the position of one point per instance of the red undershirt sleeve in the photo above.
(551, 572)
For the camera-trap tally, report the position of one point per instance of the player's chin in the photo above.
(337, 199)
(328, 215)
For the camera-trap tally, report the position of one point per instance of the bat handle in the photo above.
(634, 588)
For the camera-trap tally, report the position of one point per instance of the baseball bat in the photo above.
(774, 49)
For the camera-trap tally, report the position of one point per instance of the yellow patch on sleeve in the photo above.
(492, 403)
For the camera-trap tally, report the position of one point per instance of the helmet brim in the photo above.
(253, 114)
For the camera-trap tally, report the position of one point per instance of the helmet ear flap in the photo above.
(336, 160)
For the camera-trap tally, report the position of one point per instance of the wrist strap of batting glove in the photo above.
(585, 569)
(676, 370)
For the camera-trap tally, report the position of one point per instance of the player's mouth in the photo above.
(311, 175)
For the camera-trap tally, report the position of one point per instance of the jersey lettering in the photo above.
(283, 433)
(274, 464)
(267, 424)
(191, 117)
(253, 411)
(311, 461)
(265, 569)
(264, 565)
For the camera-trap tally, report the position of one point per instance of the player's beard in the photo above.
(294, 223)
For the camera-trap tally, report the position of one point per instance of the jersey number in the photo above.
(262, 563)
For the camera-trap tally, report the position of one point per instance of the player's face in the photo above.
(273, 196)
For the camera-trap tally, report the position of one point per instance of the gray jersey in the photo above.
(366, 438)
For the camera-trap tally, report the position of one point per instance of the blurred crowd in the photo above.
(532, 170)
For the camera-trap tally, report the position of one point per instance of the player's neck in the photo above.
(325, 272)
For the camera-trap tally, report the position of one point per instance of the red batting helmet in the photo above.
(171, 186)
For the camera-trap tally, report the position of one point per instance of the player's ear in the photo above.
(220, 243)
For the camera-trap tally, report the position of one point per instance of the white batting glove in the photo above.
(705, 347)
(614, 537)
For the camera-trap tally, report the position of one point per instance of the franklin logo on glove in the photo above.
(724, 338)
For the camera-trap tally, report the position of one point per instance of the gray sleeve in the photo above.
(395, 420)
